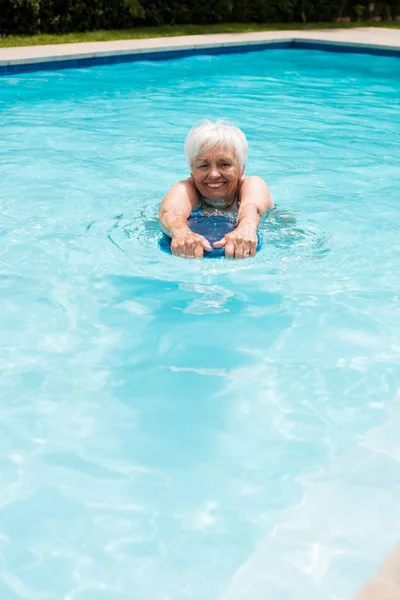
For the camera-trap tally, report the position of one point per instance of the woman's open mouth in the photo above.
(216, 185)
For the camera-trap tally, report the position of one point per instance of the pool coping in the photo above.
(370, 40)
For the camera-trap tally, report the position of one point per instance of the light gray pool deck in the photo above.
(366, 36)
(386, 584)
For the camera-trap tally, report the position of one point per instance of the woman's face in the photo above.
(216, 174)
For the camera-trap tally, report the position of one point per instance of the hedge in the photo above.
(62, 16)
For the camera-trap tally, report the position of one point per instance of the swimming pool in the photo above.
(198, 430)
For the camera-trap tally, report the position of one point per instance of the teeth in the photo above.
(215, 185)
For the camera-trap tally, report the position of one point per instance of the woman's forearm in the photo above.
(172, 222)
(248, 216)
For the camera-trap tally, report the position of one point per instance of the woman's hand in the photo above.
(241, 242)
(187, 244)
(255, 200)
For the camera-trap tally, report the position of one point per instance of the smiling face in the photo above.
(216, 173)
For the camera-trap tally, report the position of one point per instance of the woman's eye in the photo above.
(226, 164)
(203, 166)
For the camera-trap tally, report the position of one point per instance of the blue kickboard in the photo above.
(212, 227)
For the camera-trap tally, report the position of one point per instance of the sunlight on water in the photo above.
(175, 429)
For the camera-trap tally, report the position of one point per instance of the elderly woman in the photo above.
(216, 154)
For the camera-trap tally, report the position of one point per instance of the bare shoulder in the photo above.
(252, 178)
(253, 181)
(190, 185)
(182, 194)
(185, 187)
(254, 188)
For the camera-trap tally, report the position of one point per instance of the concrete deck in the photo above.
(370, 37)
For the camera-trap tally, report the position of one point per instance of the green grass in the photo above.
(174, 30)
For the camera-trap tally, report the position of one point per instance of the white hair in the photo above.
(207, 135)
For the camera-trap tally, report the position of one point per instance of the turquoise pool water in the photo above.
(198, 430)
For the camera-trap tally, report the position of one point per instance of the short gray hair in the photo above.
(207, 135)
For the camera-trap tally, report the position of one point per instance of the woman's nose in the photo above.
(214, 172)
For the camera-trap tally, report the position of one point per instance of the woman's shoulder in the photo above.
(190, 182)
(255, 187)
(185, 186)
(251, 179)
(189, 186)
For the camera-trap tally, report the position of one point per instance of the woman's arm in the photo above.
(177, 205)
(175, 210)
(255, 200)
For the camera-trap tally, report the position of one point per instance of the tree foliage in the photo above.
(62, 16)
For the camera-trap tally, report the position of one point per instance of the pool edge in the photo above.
(59, 57)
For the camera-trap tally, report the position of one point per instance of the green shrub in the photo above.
(19, 16)
(61, 16)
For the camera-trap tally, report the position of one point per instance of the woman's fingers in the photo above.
(238, 246)
(240, 249)
(220, 243)
(206, 244)
(230, 250)
(189, 245)
(234, 247)
(249, 249)
(184, 251)
(189, 251)
(178, 247)
(201, 245)
(198, 251)
(193, 245)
